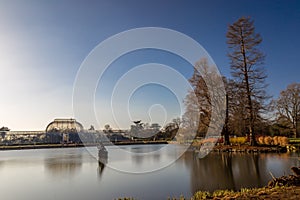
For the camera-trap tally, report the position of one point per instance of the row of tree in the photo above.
(249, 109)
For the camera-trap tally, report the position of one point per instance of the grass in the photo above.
(294, 140)
(276, 192)
(244, 193)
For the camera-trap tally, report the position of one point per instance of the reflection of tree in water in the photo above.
(211, 173)
(280, 164)
(138, 159)
(65, 165)
(2, 163)
(249, 170)
(156, 157)
(145, 152)
(224, 171)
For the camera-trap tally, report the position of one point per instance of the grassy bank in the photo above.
(277, 192)
(285, 187)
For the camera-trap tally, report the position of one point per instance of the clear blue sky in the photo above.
(43, 43)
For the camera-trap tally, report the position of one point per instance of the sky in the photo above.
(44, 43)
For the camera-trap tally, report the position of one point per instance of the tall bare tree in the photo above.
(247, 67)
(288, 107)
(205, 104)
(236, 119)
(238, 122)
(198, 102)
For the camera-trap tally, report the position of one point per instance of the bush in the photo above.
(238, 140)
(268, 140)
(261, 140)
(201, 195)
(283, 141)
(276, 140)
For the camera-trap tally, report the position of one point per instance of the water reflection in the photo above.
(101, 167)
(102, 161)
(53, 168)
(138, 159)
(235, 171)
(156, 157)
(64, 165)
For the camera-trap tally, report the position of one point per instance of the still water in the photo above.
(72, 174)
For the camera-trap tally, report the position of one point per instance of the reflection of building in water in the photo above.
(66, 165)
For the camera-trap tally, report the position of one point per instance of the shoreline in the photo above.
(250, 149)
(246, 148)
(217, 148)
(50, 146)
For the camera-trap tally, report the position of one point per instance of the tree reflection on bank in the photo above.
(234, 170)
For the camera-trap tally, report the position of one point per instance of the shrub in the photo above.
(238, 140)
(222, 193)
(275, 140)
(261, 140)
(283, 141)
(201, 195)
(268, 140)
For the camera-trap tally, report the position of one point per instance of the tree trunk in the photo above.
(297, 135)
(250, 107)
(226, 132)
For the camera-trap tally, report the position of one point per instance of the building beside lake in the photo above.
(70, 131)
(22, 137)
(64, 125)
(58, 131)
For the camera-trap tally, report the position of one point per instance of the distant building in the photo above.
(61, 125)
(3, 132)
(24, 137)
(64, 130)
(58, 131)
(4, 129)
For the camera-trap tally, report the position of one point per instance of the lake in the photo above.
(74, 173)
